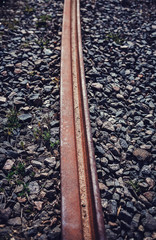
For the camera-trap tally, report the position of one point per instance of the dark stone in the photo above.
(2, 160)
(5, 214)
(111, 235)
(112, 207)
(149, 222)
(99, 150)
(51, 195)
(55, 234)
(125, 216)
(31, 232)
(12, 154)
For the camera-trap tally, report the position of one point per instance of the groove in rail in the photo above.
(82, 216)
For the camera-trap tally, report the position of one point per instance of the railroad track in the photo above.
(82, 216)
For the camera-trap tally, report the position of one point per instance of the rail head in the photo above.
(82, 216)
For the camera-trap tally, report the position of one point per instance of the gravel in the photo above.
(30, 39)
(120, 65)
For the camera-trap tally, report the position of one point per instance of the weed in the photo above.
(41, 135)
(29, 9)
(115, 37)
(45, 18)
(42, 22)
(22, 145)
(10, 24)
(25, 190)
(1, 189)
(12, 122)
(54, 144)
(42, 42)
(16, 170)
(25, 45)
(10, 175)
(134, 185)
(32, 174)
(20, 169)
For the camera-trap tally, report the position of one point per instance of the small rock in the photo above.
(25, 117)
(97, 86)
(135, 220)
(150, 182)
(34, 187)
(17, 71)
(2, 160)
(3, 99)
(55, 233)
(50, 161)
(38, 205)
(19, 188)
(8, 165)
(142, 155)
(47, 52)
(17, 208)
(123, 144)
(149, 195)
(108, 126)
(36, 164)
(125, 216)
(149, 222)
(15, 221)
(5, 214)
(112, 207)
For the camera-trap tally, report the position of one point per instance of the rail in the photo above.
(82, 216)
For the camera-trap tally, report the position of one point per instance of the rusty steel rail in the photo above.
(82, 217)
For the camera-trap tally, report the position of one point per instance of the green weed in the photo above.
(12, 121)
(25, 190)
(115, 37)
(54, 144)
(134, 185)
(29, 9)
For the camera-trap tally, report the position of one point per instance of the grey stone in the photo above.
(149, 222)
(112, 207)
(15, 221)
(25, 117)
(108, 126)
(125, 216)
(34, 187)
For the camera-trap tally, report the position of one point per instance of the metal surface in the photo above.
(82, 216)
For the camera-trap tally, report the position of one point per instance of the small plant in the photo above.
(54, 144)
(41, 135)
(46, 136)
(45, 18)
(22, 145)
(18, 170)
(12, 122)
(115, 37)
(134, 185)
(42, 42)
(25, 190)
(29, 9)
(42, 22)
